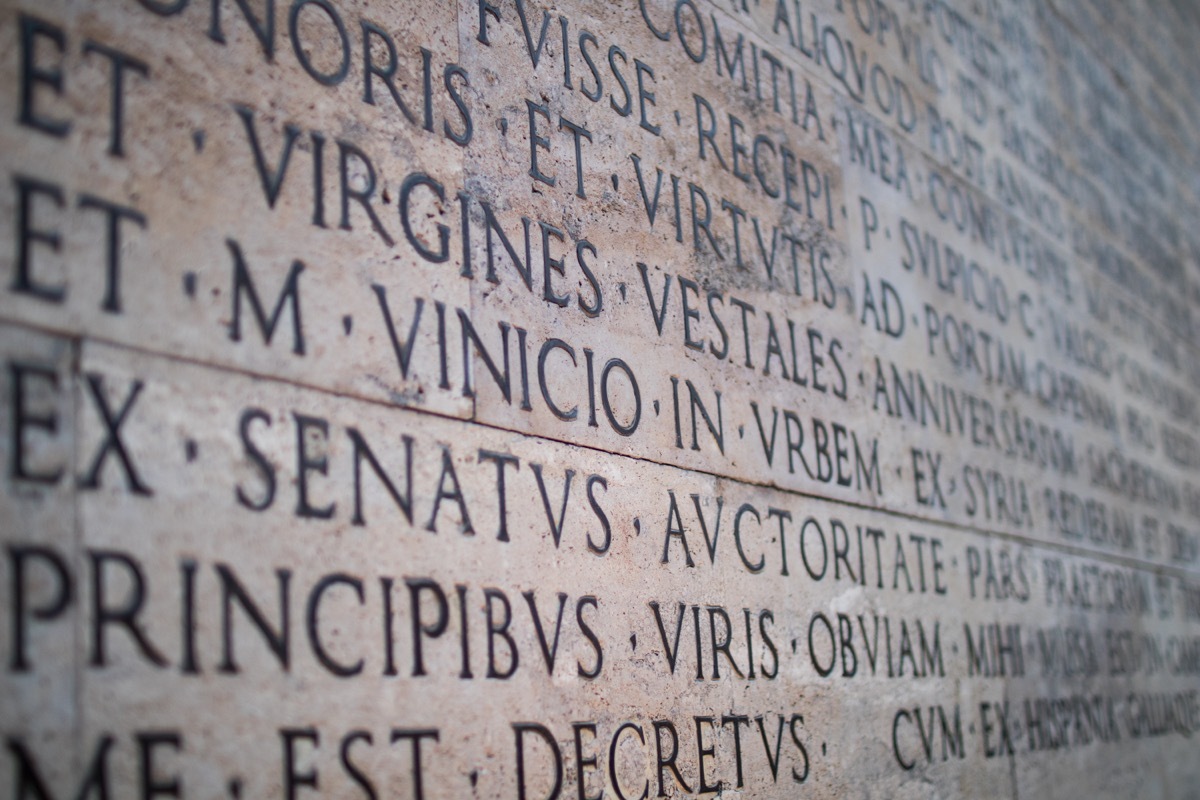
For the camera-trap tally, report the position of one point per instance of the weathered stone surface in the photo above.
(661, 399)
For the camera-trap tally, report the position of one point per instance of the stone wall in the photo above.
(513, 399)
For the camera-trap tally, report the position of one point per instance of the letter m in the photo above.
(243, 284)
(860, 144)
(31, 786)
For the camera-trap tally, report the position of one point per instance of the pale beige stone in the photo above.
(443, 538)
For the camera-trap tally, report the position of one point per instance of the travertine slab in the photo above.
(510, 399)
(841, 613)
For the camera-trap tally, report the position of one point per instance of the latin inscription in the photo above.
(661, 399)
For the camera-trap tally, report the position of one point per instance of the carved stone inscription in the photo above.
(663, 398)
